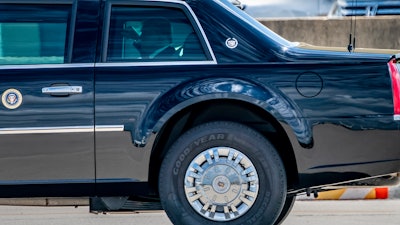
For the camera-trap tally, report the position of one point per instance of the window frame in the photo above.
(70, 25)
(166, 4)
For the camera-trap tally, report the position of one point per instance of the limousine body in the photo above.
(191, 102)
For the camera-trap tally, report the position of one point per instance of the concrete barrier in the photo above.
(371, 32)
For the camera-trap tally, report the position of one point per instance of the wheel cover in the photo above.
(221, 184)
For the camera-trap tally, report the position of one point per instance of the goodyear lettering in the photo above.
(196, 143)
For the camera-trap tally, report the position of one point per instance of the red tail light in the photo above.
(395, 77)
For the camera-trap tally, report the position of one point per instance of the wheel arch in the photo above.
(215, 110)
(189, 94)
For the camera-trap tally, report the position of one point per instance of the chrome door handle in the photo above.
(62, 90)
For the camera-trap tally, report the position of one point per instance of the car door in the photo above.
(135, 69)
(46, 113)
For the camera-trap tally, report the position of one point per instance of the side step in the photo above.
(123, 203)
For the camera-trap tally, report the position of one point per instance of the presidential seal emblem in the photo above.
(231, 43)
(11, 98)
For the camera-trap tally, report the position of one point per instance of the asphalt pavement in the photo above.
(321, 212)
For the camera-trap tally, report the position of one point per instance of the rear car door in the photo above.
(46, 113)
(148, 48)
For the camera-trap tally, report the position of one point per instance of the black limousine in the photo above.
(192, 103)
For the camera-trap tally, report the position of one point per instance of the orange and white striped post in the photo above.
(355, 193)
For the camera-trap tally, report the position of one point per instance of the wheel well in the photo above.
(227, 110)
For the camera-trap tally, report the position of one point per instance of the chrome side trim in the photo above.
(58, 130)
(47, 130)
(174, 63)
(47, 66)
(109, 128)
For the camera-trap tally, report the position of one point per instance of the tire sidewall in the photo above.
(271, 174)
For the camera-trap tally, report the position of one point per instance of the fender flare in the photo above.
(186, 94)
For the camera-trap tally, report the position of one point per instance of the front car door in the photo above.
(46, 113)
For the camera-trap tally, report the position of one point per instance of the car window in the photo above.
(33, 34)
(147, 33)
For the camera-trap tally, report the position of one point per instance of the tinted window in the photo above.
(33, 34)
(143, 33)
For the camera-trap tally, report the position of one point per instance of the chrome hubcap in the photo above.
(221, 184)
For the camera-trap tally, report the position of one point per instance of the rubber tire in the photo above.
(287, 207)
(272, 177)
